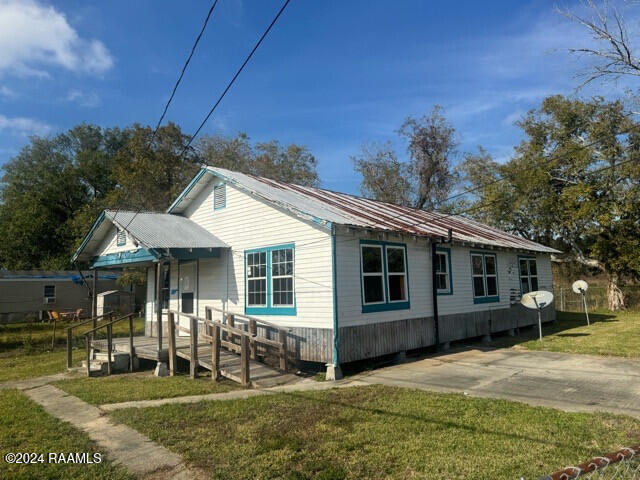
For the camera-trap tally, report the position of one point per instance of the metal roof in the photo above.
(163, 230)
(329, 207)
(151, 229)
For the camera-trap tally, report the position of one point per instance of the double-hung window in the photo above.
(384, 279)
(270, 281)
(444, 284)
(49, 294)
(528, 274)
(484, 273)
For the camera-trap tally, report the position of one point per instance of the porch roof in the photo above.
(151, 230)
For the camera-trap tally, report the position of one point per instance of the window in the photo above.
(282, 276)
(257, 279)
(219, 197)
(121, 238)
(270, 283)
(49, 293)
(166, 279)
(484, 274)
(372, 274)
(397, 274)
(444, 284)
(384, 277)
(528, 274)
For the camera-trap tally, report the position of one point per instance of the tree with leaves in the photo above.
(293, 163)
(574, 183)
(427, 178)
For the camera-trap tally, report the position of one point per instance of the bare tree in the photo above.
(613, 52)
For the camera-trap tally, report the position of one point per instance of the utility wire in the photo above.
(184, 68)
(175, 87)
(229, 85)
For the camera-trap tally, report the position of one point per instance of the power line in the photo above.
(230, 84)
(184, 68)
(175, 88)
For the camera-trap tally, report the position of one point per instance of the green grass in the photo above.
(26, 427)
(379, 432)
(140, 386)
(25, 348)
(609, 334)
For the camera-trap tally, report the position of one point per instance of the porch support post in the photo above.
(161, 367)
(94, 301)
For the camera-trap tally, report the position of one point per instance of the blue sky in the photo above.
(331, 75)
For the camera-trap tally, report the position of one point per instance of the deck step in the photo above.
(119, 362)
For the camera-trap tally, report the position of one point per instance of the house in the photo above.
(29, 294)
(351, 278)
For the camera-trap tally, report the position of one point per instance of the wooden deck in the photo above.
(147, 347)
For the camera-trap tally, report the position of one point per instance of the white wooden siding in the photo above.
(419, 268)
(245, 223)
(349, 286)
(110, 244)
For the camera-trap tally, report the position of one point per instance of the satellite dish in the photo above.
(537, 301)
(580, 286)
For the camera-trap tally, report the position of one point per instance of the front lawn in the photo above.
(613, 334)
(379, 432)
(140, 386)
(26, 427)
(25, 348)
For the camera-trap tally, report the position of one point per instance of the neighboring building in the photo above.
(29, 294)
(351, 277)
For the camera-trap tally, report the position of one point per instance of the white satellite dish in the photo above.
(580, 287)
(537, 301)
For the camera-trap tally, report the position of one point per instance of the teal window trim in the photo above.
(269, 308)
(223, 187)
(448, 253)
(386, 305)
(527, 257)
(485, 298)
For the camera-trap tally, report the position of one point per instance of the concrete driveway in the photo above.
(569, 382)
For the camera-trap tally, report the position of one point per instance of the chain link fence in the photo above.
(568, 301)
(621, 465)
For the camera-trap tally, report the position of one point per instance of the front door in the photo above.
(188, 286)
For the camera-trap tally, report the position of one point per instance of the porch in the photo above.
(145, 347)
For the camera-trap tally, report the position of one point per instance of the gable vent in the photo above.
(219, 197)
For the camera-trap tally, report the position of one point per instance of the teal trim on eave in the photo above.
(189, 187)
(124, 258)
(448, 251)
(88, 236)
(269, 309)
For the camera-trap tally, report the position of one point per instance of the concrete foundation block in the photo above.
(486, 338)
(161, 370)
(445, 346)
(511, 332)
(334, 372)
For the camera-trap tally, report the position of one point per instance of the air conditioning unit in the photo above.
(48, 300)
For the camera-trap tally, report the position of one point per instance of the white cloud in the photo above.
(513, 117)
(83, 99)
(23, 126)
(34, 36)
(6, 92)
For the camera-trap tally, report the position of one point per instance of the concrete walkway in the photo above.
(581, 383)
(121, 444)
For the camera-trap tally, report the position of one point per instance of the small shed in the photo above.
(117, 301)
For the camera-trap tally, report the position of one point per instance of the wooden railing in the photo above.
(70, 329)
(223, 334)
(109, 326)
